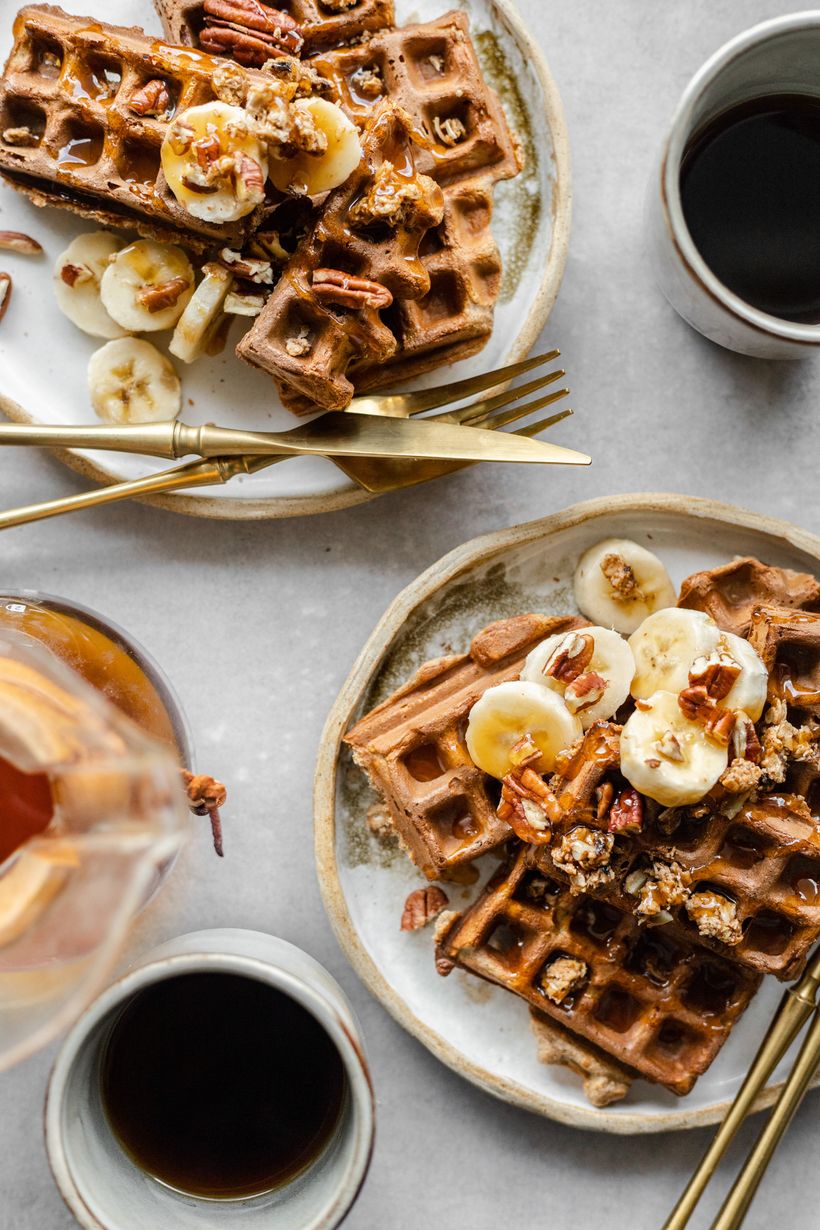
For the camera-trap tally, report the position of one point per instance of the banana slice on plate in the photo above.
(214, 163)
(511, 712)
(202, 314)
(665, 647)
(131, 382)
(147, 285)
(314, 173)
(77, 277)
(591, 668)
(666, 756)
(618, 583)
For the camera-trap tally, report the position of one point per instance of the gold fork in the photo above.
(378, 476)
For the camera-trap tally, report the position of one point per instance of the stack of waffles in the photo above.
(413, 270)
(636, 948)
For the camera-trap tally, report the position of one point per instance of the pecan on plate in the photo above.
(570, 658)
(153, 99)
(422, 906)
(16, 241)
(528, 806)
(347, 290)
(5, 292)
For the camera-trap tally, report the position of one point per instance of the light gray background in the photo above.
(259, 624)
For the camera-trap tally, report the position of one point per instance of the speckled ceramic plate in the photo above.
(43, 358)
(479, 1030)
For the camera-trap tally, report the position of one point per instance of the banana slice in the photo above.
(131, 382)
(591, 668)
(147, 285)
(314, 173)
(202, 314)
(618, 583)
(510, 712)
(751, 687)
(77, 277)
(665, 646)
(666, 756)
(214, 163)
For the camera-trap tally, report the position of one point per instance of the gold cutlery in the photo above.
(377, 476)
(798, 1004)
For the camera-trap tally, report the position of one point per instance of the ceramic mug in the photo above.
(105, 1190)
(780, 56)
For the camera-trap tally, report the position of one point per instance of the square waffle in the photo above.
(70, 82)
(412, 747)
(652, 1000)
(250, 31)
(764, 856)
(309, 339)
(788, 641)
(730, 593)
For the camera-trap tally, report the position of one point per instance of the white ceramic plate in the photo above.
(43, 357)
(479, 1030)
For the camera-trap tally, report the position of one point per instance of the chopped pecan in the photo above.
(153, 98)
(668, 746)
(626, 813)
(253, 270)
(745, 743)
(621, 577)
(584, 692)
(22, 137)
(604, 797)
(715, 916)
(347, 290)
(525, 752)
(72, 274)
(410, 201)
(5, 293)
(562, 976)
(237, 304)
(422, 906)
(570, 657)
(528, 806)
(717, 673)
(165, 295)
(697, 705)
(16, 241)
(250, 178)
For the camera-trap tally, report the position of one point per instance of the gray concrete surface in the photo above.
(258, 625)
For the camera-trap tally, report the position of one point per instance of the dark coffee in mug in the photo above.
(750, 190)
(221, 1086)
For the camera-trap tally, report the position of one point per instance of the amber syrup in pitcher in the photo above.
(221, 1086)
(750, 190)
(26, 807)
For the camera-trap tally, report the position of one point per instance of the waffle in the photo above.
(788, 641)
(245, 29)
(765, 857)
(433, 72)
(730, 593)
(656, 1003)
(413, 750)
(309, 338)
(70, 82)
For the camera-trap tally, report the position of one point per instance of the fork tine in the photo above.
(495, 421)
(442, 395)
(472, 415)
(532, 429)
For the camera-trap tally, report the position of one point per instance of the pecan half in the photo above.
(16, 241)
(165, 295)
(528, 806)
(717, 673)
(696, 704)
(5, 292)
(570, 658)
(248, 31)
(346, 290)
(626, 813)
(422, 906)
(153, 99)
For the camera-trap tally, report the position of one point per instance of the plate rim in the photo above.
(456, 562)
(274, 507)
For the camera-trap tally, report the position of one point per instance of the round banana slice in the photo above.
(666, 756)
(147, 285)
(618, 583)
(510, 712)
(665, 646)
(131, 382)
(751, 687)
(314, 173)
(77, 277)
(214, 163)
(591, 668)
